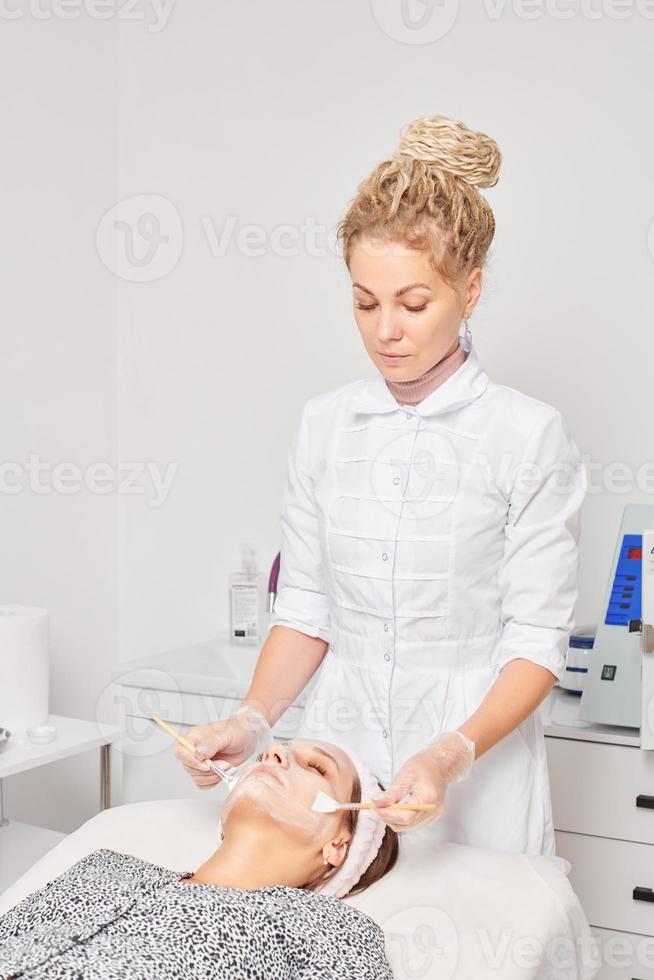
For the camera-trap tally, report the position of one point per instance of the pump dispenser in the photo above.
(247, 600)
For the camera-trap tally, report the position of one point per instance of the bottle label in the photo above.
(244, 611)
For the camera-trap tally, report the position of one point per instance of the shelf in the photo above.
(559, 714)
(73, 735)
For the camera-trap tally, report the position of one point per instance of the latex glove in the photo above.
(424, 778)
(229, 743)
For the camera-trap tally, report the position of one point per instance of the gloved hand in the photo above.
(228, 743)
(424, 778)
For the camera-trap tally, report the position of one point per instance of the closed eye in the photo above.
(411, 309)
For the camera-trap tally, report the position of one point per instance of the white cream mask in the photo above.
(276, 798)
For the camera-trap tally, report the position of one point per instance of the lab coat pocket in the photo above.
(360, 568)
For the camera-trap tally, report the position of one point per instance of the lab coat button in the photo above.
(409, 414)
(387, 656)
(385, 733)
(385, 627)
(384, 557)
(396, 480)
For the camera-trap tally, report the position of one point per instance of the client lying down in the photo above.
(265, 904)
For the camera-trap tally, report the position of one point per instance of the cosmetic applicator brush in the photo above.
(324, 803)
(228, 778)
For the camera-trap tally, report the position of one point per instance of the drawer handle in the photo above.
(645, 801)
(642, 894)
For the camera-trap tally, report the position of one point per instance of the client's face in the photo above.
(277, 791)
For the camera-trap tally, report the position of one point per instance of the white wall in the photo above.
(58, 370)
(270, 114)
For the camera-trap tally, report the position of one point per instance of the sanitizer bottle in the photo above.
(247, 600)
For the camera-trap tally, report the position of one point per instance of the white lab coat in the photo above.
(429, 546)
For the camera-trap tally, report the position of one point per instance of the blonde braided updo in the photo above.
(426, 196)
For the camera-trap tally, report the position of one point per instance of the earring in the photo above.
(465, 341)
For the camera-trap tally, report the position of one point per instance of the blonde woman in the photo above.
(430, 527)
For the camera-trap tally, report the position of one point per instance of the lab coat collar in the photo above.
(466, 384)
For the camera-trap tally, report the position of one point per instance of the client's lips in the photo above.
(269, 770)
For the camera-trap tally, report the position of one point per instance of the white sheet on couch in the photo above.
(449, 912)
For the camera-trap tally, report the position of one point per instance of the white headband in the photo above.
(366, 840)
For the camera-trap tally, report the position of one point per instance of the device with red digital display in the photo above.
(625, 598)
(619, 685)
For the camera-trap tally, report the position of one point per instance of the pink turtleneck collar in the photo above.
(413, 392)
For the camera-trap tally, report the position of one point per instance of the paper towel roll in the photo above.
(24, 667)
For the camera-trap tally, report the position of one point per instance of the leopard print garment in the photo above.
(112, 915)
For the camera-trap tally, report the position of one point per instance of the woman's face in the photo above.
(420, 323)
(283, 782)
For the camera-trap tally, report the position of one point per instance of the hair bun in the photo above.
(449, 145)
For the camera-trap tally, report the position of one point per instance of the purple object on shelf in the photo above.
(272, 581)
